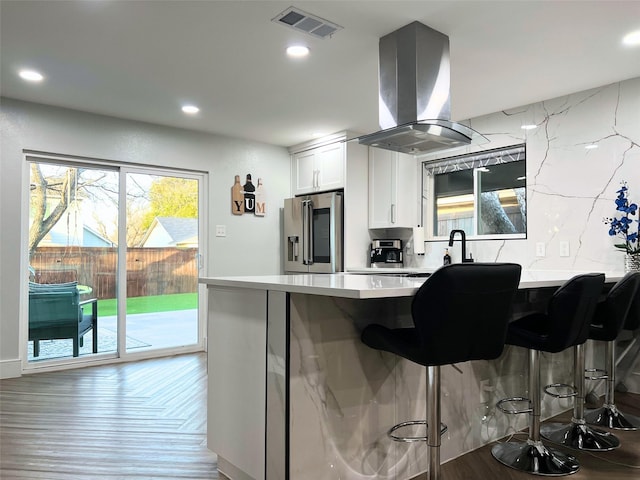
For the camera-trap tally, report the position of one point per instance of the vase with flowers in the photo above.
(627, 228)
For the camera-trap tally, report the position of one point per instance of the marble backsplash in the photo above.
(570, 188)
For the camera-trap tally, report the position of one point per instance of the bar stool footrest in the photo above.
(390, 433)
(600, 374)
(548, 391)
(500, 405)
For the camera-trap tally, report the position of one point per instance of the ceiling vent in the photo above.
(305, 22)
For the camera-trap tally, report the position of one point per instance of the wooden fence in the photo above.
(150, 271)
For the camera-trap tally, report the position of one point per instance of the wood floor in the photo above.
(141, 420)
(147, 420)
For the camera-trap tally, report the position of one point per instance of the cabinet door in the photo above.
(406, 188)
(382, 192)
(393, 199)
(304, 175)
(330, 166)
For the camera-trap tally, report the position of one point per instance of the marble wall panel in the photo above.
(570, 188)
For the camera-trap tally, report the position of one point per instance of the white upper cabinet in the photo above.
(319, 169)
(393, 189)
(304, 172)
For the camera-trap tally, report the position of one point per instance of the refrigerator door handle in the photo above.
(307, 235)
(304, 232)
(310, 232)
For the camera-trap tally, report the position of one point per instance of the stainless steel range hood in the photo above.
(415, 112)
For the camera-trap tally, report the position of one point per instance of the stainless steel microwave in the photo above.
(313, 233)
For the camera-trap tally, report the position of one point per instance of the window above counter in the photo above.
(482, 193)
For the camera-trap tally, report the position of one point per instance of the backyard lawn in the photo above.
(152, 303)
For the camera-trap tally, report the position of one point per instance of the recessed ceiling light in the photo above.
(528, 127)
(591, 146)
(297, 51)
(31, 75)
(190, 109)
(632, 38)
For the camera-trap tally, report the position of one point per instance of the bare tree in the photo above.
(65, 188)
(492, 214)
(53, 194)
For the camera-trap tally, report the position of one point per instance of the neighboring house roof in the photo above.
(90, 238)
(170, 232)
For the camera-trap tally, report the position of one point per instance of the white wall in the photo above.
(252, 245)
(570, 189)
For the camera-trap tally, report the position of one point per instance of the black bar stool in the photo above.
(565, 324)
(632, 324)
(611, 316)
(460, 313)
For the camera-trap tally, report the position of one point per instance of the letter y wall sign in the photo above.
(247, 198)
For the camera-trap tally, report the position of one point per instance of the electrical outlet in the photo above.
(540, 249)
(221, 230)
(564, 248)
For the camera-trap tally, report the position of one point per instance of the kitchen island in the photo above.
(294, 394)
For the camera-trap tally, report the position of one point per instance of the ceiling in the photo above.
(142, 60)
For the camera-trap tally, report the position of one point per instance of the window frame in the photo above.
(478, 159)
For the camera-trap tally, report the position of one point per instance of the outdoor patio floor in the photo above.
(145, 331)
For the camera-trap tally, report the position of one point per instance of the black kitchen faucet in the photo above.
(464, 244)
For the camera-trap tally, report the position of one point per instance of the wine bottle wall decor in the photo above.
(247, 198)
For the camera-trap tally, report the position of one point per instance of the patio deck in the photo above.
(145, 331)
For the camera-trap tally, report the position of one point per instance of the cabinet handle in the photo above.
(393, 213)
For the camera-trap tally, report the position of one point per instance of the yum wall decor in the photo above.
(247, 198)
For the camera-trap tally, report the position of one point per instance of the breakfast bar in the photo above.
(294, 394)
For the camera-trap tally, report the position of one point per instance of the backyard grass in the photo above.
(152, 303)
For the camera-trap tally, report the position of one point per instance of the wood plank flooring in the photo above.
(138, 420)
(147, 420)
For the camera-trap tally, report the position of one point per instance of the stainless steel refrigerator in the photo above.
(313, 233)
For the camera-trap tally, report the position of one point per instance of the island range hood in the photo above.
(415, 112)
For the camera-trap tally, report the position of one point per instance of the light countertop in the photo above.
(373, 286)
(389, 270)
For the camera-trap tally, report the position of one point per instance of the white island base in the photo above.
(294, 394)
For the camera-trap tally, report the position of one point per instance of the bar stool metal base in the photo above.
(579, 436)
(610, 417)
(535, 458)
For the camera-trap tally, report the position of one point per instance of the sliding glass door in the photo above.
(161, 261)
(113, 260)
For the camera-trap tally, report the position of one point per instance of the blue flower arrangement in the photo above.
(623, 227)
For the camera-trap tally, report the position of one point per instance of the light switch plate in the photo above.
(564, 248)
(540, 249)
(221, 230)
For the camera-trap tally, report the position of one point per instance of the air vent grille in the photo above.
(305, 22)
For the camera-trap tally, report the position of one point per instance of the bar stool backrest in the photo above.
(462, 310)
(612, 313)
(570, 311)
(633, 318)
